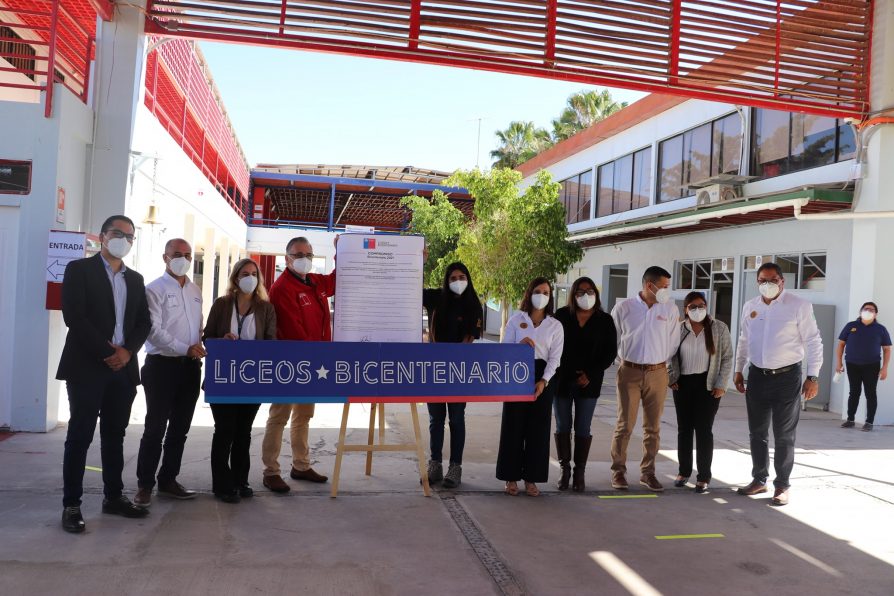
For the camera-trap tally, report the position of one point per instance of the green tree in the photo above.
(513, 237)
(441, 223)
(518, 143)
(584, 109)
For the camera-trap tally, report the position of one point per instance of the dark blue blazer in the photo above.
(88, 307)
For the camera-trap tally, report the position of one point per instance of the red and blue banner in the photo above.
(351, 372)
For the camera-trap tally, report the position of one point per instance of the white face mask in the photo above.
(663, 295)
(180, 266)
(585, 302)
(118, 247)
(248, 284)
(769, 290)
(302, 266)
(698, 315)
(539, 301)
(458, 286)
(867, 315)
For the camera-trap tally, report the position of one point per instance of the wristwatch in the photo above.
(545, 382)
(813, 378)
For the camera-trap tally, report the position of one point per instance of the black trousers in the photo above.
(524, 437)
(696, 408)
(867, 376)
(230, 460)
(172, 390)
(108, 396)
(773, 399)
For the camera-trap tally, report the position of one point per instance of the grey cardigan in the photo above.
(721, 363)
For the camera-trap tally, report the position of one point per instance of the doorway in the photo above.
(722, 297)
(614, 285)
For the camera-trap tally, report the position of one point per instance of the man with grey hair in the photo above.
(171, 374)
(301, 300)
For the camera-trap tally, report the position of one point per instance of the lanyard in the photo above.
(241, 320)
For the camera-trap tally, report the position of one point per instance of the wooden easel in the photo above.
(369, 447)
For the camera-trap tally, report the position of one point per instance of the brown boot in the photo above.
(563, 452)
(581, 452)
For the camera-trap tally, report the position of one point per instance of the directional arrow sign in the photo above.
(62, 248)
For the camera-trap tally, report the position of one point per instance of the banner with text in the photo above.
(341, 372)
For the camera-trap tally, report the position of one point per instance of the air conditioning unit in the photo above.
(717, 193)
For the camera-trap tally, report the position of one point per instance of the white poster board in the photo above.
(379, 288)
(63, 248)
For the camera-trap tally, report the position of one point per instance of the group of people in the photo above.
(111, 315)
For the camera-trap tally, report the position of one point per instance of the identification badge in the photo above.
(853, 329)
(753, 314)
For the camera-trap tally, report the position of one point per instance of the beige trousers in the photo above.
(635, 386)
(276, 422)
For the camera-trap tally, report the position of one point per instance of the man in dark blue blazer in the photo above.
(104, 306)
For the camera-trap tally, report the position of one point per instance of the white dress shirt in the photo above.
(646, 335)
(779, 334)
(694, 357)
(549, 339)
(176, 316)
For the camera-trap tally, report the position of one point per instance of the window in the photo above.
(785, 142)
(623, 184)
(699, 154)
(802, 271)
(695, 275)
(575, 195)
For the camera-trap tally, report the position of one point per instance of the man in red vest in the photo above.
(301, 300)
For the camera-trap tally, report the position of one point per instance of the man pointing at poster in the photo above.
(301, 300)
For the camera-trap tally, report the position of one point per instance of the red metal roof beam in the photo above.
(105, 9)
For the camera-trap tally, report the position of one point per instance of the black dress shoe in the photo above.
(246, 492)
(680, 481)
(175, 490)
(72, 520)
(228, 497)
(122, 506)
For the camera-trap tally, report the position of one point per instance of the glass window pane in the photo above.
(847, 145)
(642, 187)
(696, 156)
(703, 275)
(813, 140)
(604, 189)
(771, 138)
(684, 279)
(789, 266)
(670, 175)
(623, 181)
(569, 197)
(726, 150)
(585, 194)
(814, 272)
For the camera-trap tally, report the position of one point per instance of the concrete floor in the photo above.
(381, 536)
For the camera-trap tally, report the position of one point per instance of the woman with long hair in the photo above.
(524, 431)
(243, 313)
(591, 345)
(456, 317)
(698, 374)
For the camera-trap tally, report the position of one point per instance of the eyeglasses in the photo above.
(581, 293)
(696, 306)
(301, 255)
(775, 280)
(115, 233)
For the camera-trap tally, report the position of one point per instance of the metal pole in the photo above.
(51, 62)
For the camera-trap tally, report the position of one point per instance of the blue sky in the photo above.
(300, 107)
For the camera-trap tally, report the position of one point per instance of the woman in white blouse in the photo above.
(698, 374)
(524, 433)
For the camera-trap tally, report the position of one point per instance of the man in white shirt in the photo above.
(171, 374)
(648, 326)
(778, 330)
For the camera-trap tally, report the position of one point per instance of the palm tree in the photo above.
(518, 143)
(584, 109)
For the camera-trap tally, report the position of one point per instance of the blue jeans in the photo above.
(437, 415)
(583, 408)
